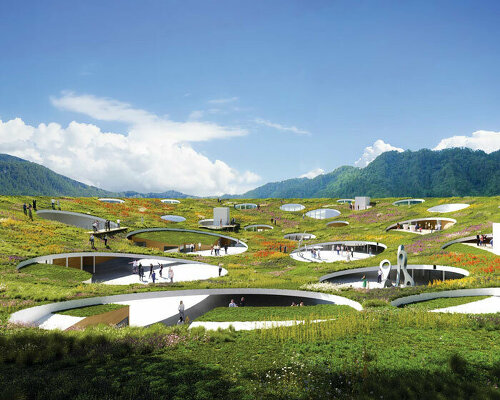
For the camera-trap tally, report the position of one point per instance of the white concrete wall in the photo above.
(221, 213)
(361, 202)
(496, 238)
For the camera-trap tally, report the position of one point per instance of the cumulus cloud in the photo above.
(155, 155)
(488, 141)
(313, 174)
(280, 127)
(372, 152)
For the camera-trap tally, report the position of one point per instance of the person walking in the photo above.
(34, 204)
(30, 214)
(105, 238)
(53, 202)
(25, 209)
(379, 275)
(141, 272)
(220, 269)
(181, 313)
(242, 302)
(232, 304)
(171, 274)
(365, 282)
(225, 248)
(91, 240)
(150, 270)
(153, 276)
(161, 270)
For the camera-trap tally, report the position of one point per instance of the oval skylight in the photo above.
(173, 218)
(323, 213)
(292, 207)
(445, 208)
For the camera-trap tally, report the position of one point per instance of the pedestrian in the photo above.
(338, 250)
(153, 276)
(25, 209)
(212, 250)
(365, 282)
(53, 202)
(242, 302)
(379, 275)
(220, 269)
(225, 248)
(91, 240)
(181, 313)
(199, 246)
(232, 303)
(285, 250)
(134, 267)
(30, 214)
(150, 270)
(352, 252)
(34, 204)
(280, 248)
(161, 270)
(477, 240)
(141, 272)
(171, 274)
(105, 238)
(118, 223)
(94, 226)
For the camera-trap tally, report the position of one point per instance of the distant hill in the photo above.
(21, 177)
(423, 173)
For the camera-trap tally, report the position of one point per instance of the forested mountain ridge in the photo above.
(424, 173)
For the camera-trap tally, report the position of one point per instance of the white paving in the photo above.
(327, 256)
(182, 273)
(489, 305)
(487, 248)
(247, 325)
(58, 321)
(149, 311)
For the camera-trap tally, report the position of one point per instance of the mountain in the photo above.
(423, 173)
(21, 177)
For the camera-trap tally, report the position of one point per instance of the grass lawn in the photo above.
(220, 314)
(91, 310)
(443, 302)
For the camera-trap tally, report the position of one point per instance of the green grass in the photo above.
(179, 238)
(91, 310)
(443, 302)
(275, 313)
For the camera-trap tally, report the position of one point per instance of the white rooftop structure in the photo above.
(221, 216)
(496, 237)
(445, 208)
(361, 202)
(245, 206)
(408, 202)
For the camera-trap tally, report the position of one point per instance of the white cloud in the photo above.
(280, 127)
(223, 101)
(155, 155)
(488, 141)
(313, 174)
(372, 152)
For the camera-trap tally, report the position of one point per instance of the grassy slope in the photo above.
(91, 310)
(273, 364)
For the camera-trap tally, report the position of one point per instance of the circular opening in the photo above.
(245, 206)
(173, 218)
(323, 213)
(258, 228)
(344, 201)
(408, 202)
(337, 224)
(423, 225)
(299, 236)
(444, 208)
(170, 201)
(292, 207)
(112, 201)
(348, 250)
(422, 275)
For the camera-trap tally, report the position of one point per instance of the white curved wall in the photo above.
(445, 208)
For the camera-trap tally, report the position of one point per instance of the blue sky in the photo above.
(275, 89)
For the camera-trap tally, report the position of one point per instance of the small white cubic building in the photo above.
(221, 216)
(496, 238)
(361, 202)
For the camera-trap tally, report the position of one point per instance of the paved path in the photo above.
(489, 305)
(247, 325)
(327, 256)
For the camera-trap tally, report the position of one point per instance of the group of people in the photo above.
(53, 203)
(28, 210)
(294, 304)
(137, 268)
(92, 241)
(96, 223)
(241, 304)
(215, 249)
(341, 249)
(482, 240)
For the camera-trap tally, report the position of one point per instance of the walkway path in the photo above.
(490, 305)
